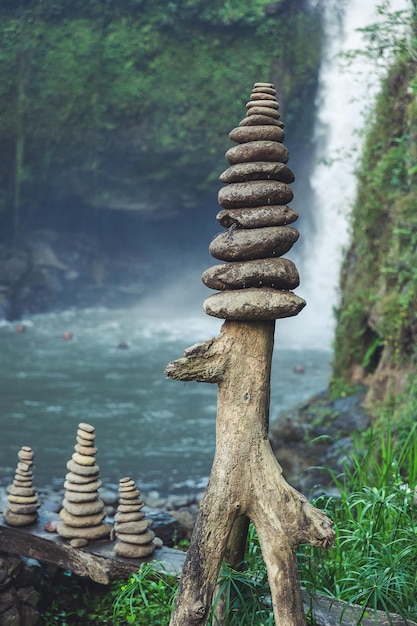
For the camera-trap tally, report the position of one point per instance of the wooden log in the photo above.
(246, 478)
(97, 560)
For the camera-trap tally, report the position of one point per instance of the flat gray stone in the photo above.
(253, 304)
(263, 110)
(262, 150)
(256, 243)
(257, 170)
(275, 273)
(257, 217)
(242, 134)
(254, 193)
(255, 120)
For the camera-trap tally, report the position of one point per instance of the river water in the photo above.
(159, 431)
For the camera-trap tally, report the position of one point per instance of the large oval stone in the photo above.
(255, 120)
(81, 521)
(257, 170)
(262, 150)
(141, 538)
(257, 217)
(83, 508)
(270, 104)
(241, 134)
(129, 550)
(253, 304)
(276, 273)
(90, 532)
(263, 110)
(257, 243)
(254, 193)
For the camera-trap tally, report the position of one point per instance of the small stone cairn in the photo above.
(23, 503)
(255, 282)
(135, 540)
(83, 512)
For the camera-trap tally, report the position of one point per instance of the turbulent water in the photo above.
(159, 431)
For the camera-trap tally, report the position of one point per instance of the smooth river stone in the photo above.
(253, 304)
(83, 470)
(86, 443)
(132, 528)
(256, 120)
(23, 509)
(21, 491)
(78, 542)
(276, 273)
(257, 170)
(254, 193)
(257, 217)
(32, 499)
(83, 521)
(83, 459)
(242, 134)
(86, 427)
(264, 88)
(76, 496)
(82, 487)
(131, 551)
(263, 110)
(262, 95)
(135, 516)
(88, 508)
(130, 508)
(262, 150)
(21, 482)
(14, 519)
(25, 474)
(77, 479)
(270, 104)
(87, 450)
(257, 243)
(145, 537)
(130, 494)
(25, 454)
(90, 436)
(91, 533)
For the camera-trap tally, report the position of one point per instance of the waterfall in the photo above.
(345, 94)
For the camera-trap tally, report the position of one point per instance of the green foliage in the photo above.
(73, 601)
(141, 90)
(147, 598)
(372, 563)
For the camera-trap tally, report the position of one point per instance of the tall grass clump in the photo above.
(373, 560)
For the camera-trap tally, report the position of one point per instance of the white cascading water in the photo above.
(344, 95)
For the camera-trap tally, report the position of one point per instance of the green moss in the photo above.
(379, 276)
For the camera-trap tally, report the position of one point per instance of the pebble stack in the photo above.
(23, 504)
(135, 539)
(255, 283)
(83, 512)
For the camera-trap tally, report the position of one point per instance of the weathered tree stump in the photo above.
(246, 481)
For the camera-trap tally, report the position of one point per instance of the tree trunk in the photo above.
(246, 479)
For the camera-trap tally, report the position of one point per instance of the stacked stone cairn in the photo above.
(23, 504)
(83, 512)
(135, 539)
(255, 283)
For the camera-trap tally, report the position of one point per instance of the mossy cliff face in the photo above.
(376, 335)
(127, 105)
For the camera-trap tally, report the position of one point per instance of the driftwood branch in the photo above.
(246, 479)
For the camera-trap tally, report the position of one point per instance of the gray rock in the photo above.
(257, 151)
(253, 304)
(258, 243)
(257, 170)
(277, 273)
